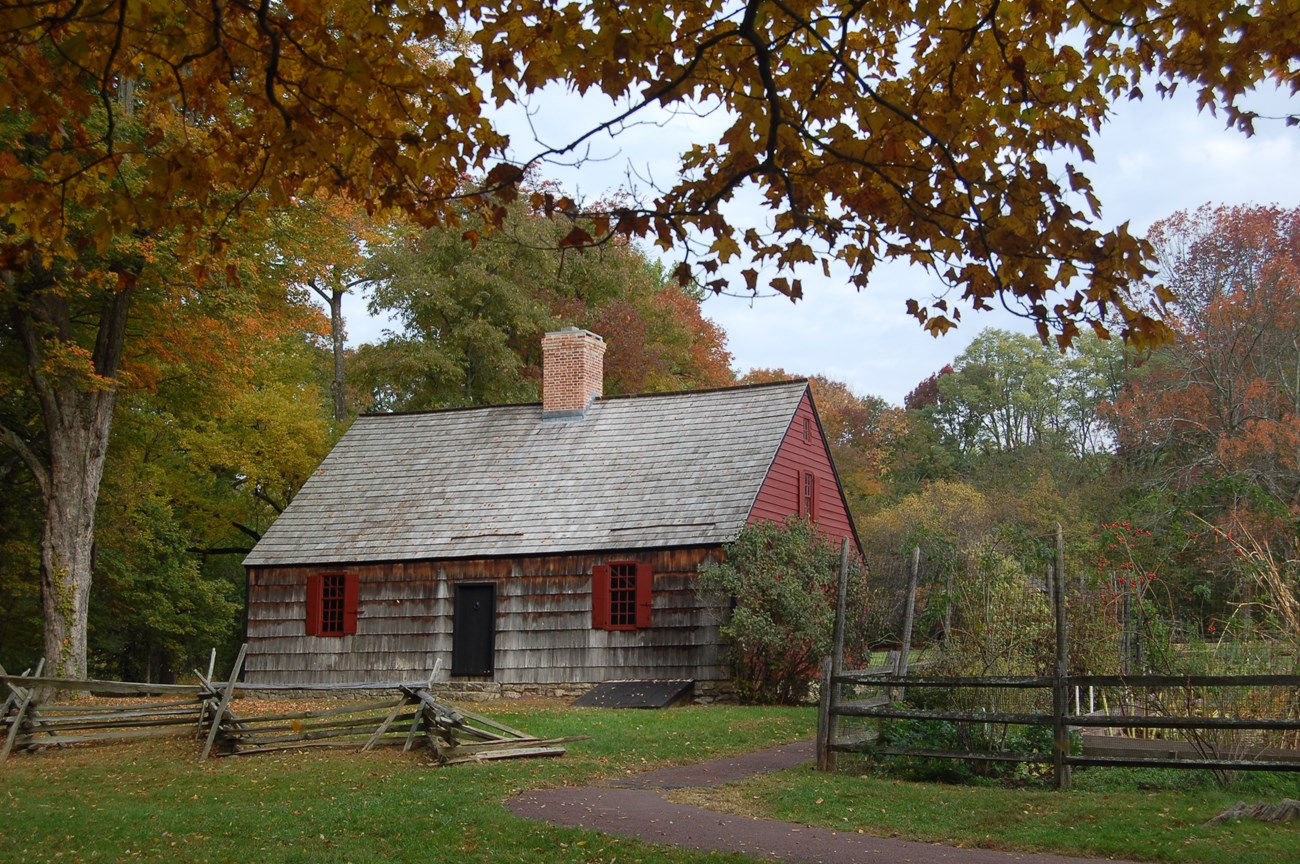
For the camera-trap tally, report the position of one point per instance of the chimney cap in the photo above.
(571, 329)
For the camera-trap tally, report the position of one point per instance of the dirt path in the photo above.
(636, 807)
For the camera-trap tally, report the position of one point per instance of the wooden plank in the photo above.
(492, 724)
(992, 682)
(523, 743)
(263, 687)
(388, 721)
(102, 736)
(1166, 748)
(415, 729)
(1215, 764)
(1153, 681)
(54, 727)
(313, 715)
(1024, 719)
(97, 686)
(89, 710)
(352, 731)
(981, 756)
(517, 753)
(13, 691)
(355, 726)
(225, 702)
(1091, 720)
(16, 723)
(300, 745)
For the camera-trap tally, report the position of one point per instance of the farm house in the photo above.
(532, 548)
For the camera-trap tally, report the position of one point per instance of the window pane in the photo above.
(331, 600)
(622, 595)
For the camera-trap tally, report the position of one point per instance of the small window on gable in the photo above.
(621, 595)
(332, 601)
(807, 430)
(807, 482)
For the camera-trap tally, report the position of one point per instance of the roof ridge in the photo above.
(615, 398)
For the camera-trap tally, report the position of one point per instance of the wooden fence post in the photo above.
(1060, 681)
(837, 658)
(825, 757)
(828, 723)
(225, 702)
(909, 613)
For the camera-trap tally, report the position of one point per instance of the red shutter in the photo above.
(313, 604)
(644, 594)
(351, 601)
(600, 596)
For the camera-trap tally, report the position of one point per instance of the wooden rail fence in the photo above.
(1218, 751)
(1213, 739)
(412, 717)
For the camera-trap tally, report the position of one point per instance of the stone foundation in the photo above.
(706, 692)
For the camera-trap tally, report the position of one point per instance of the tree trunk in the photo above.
(336, 336)
(78, 442)
(77, 414)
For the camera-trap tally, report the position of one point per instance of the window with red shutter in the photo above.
(621, 595)
(332, 603)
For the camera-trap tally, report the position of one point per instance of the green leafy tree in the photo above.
(472, 316)
(781, 581)
(1001, 395)
(154, 612)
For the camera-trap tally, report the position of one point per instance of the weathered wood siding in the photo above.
(543, 619)
(779, 497)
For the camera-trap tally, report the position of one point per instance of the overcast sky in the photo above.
(1154, 158)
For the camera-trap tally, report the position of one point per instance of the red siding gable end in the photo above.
(781, 495)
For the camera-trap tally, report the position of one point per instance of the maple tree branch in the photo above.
(33, 462)
(662, 93)
(273, 61)
(106, 80)
(110, 336)
(35, 356)
(268, 500)
(221, 550)
(244, 529)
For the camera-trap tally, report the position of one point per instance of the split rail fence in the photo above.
(411, 717)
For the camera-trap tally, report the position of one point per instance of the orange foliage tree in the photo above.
(1220, 406)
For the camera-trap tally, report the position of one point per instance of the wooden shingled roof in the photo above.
(634, 472)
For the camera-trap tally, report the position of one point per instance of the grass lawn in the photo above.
(154, 801)
(1107, 815)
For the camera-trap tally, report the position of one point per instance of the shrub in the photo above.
(781, 582)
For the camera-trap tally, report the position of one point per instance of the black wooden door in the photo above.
(473, 633)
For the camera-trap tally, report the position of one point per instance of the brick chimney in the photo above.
(573, 371)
